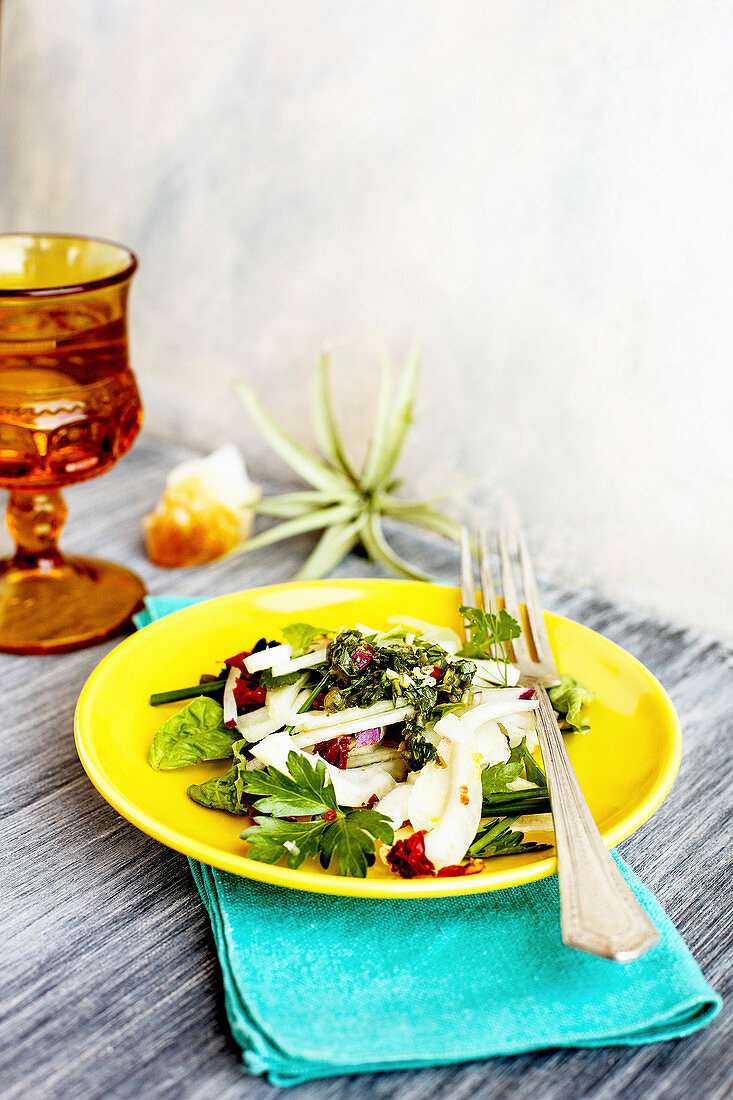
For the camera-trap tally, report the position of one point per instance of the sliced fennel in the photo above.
(459, 736)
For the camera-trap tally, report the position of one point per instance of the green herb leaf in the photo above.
(221, 793)
(197, 732)
(498, 839)
(177, 694)
(217, 794)
(300, 636)
(419, 751)
(346, 835)
(349, 839)
(307, 790)
(567, 698)
(225, 792)
(267, 680)
(497, 777)
(487, 630)
(528, 801)
(270, 839)
(532, 770)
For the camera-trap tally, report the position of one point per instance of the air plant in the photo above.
(350, 505)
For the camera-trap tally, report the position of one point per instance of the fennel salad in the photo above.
(348, 745)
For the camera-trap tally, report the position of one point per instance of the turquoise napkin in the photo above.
(317, 986)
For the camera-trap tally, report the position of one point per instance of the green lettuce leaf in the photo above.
(197, 732)
(567, 698)
(219, 793)
(225, 792)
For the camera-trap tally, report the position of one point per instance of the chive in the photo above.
(517, 802)
(186, 693)
(309, 701)
(314, 694)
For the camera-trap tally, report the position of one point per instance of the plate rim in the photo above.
(404, 889)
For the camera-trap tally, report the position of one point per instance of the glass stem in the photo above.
(35, 520)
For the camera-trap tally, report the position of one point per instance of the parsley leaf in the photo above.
(346, 836)
(496, 779)
(487, 630)
(349, 840)
(271, 838)
(567, 698)
(532, 769)
(307, 790)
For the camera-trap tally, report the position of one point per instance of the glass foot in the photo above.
(54, 607)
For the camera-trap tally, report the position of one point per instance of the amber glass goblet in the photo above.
(69, 408)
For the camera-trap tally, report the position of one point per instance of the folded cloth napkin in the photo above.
(318, 985)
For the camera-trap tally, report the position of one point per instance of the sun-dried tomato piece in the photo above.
(407, 857)
(471, 868)
(248, 693)
(237, 661)
(336, 751)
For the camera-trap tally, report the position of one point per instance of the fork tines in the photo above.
(512, 547)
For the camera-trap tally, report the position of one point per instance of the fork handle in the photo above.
(598, 912)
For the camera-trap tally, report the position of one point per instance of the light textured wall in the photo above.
(541, 191)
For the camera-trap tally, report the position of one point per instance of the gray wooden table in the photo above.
(110, 986)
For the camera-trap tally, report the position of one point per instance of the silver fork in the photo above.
(598, 912)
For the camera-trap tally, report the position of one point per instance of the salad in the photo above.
(405, 745)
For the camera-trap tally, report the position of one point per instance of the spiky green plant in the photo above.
(349, 505)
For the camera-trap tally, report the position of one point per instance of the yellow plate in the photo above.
(626, 764)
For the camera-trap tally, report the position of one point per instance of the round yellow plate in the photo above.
(625, 765)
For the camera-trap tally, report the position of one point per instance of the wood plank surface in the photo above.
(110, 985)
